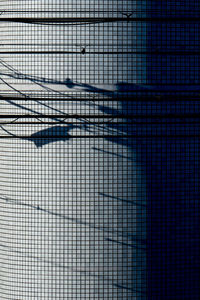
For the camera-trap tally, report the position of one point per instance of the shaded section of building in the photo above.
(172, 161)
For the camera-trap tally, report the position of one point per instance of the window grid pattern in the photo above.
(72, 202)
(99, 149)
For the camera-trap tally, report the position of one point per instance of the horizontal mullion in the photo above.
(135, 99)
(93, 116)
(135, 122)
(52, 20)
(30, 137)
(104, 52)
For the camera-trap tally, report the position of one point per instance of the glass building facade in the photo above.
(99, 149)
(73, 200)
